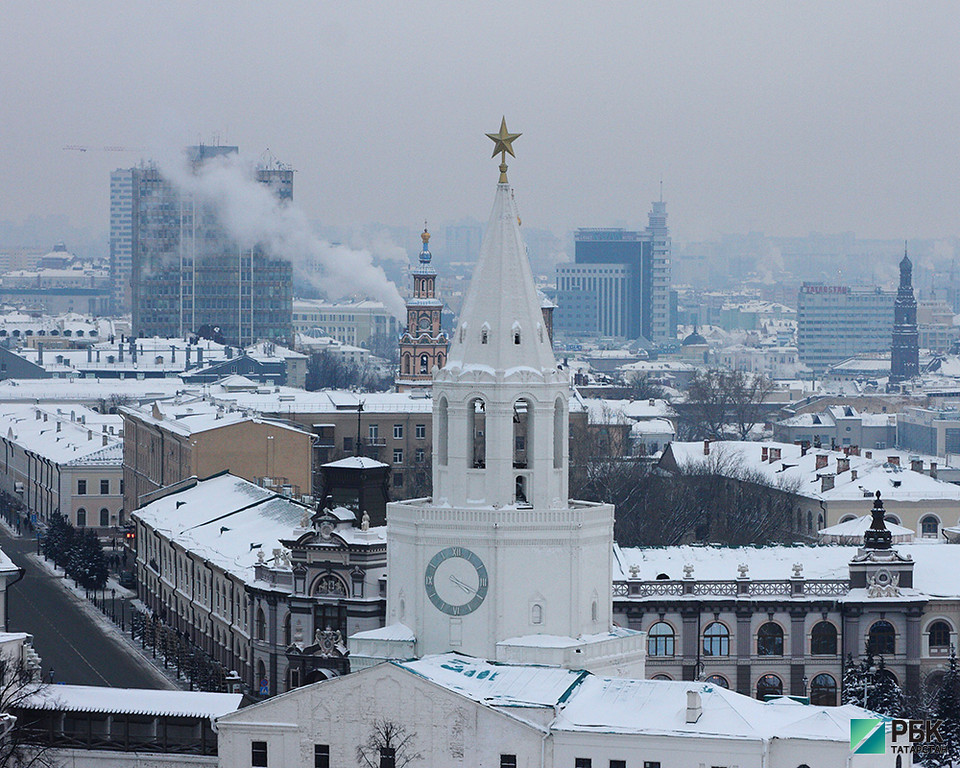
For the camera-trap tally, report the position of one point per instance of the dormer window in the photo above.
(484, 336)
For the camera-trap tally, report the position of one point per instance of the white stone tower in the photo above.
(499, 563)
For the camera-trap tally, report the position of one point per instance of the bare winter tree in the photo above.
(715, 500)
(719, 401)
(391, 740)
(20, 746)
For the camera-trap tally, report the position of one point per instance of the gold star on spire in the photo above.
(503, 143)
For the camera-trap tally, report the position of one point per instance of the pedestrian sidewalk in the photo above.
(166, 677)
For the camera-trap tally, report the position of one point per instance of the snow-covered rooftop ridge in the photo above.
(355, 462)
(501, 324)
(714, 563)
(625, 411)
(854, 477)
(134, 701)
(293, 400)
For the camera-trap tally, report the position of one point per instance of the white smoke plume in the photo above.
(253, 215)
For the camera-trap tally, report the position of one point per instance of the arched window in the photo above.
(939, 636)
(847, 518)
(522, 434)
(823, 691)
(520, 489)
(820, 522)
(892, 519)
(440, 360)
(769, 685)
(930, 527)
(536, 614)
(823, 639)
(882, 639)
(718, 680)
(594, 611)
(261, 625)
(661, 676)
(287, 630)
(558, 422)
(406, 364)
(442, 425)
(424, 364)
(516, 337)
(660, 640)
(770, 640)
(261, 672)
(81, 517)
(330, 586)
(484, 336)
(294, 676)
(809, 522)
(104, 517)
(476, 434)
(716, 640)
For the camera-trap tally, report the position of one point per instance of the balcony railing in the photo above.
(736, 588)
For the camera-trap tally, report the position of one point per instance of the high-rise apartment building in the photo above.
(837, 322)
(122, 217)
(188, 272)
(619, 283)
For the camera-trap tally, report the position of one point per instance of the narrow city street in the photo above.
(68, 640)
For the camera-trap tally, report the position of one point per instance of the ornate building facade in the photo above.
(905, 350)
(423, 345)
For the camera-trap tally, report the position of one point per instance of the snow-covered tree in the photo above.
(885, 696)
(945, 707)
(853, 678)
(88, 563)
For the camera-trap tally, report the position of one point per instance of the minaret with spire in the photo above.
(905, 349)
(499, 563)
(423, 346)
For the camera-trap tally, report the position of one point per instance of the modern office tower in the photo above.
(423, 345)
(905, 350)
(837, 322)
(188, 272)
(619, 283)
(122, 217)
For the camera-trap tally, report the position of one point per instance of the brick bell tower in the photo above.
(423, 345)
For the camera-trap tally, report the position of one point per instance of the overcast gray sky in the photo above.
(781, 117)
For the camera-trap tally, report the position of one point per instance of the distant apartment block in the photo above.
(187, 271)
(836, 322)
(837, 426)
(122, 232)
(619, 283)
(932, 431)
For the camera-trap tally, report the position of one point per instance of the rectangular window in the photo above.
(104, 487)
(258, 754)
(347, 444)
(398, 479)
(618, 764)
(420, 455)
(321, 756)
(582, 762)
(373, 431)
(508, 761)
(121, 486)
(81, 487)
(388, 757)
(651, 764)
(421, 431)
(398, 456)
(398, 431)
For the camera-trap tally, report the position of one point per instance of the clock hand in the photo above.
(465, 587)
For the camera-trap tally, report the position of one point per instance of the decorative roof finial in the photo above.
(425, 250)
(503, 143)
(877, 536)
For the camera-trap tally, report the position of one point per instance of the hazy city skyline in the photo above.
(778, 117)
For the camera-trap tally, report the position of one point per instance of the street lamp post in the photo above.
(113, 606)
(871, 671)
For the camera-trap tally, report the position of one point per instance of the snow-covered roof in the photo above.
(620, 705)
(851, 532)
(797, 471)
(133, 701)
(293, 400)
(504, 685)
(69, 433)
(83, 390)
(355, 462)
(623, 411)
(191, 416)
(932, 560)
(225, 520)
(653, 427)
(589, 703)
(396, 632)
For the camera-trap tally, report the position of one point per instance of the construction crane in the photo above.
(84, 148)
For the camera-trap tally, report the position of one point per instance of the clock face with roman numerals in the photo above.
(456, 581)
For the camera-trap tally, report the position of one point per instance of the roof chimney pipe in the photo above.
(694, 706)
